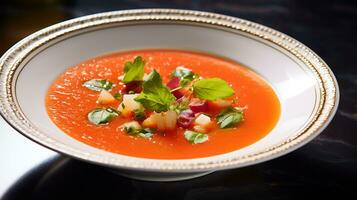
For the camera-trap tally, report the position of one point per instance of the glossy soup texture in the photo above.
(68, 103)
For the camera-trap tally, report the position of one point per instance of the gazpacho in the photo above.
(163, 104)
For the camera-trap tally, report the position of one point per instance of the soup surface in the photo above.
(68, 103)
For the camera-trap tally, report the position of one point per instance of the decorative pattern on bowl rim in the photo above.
(13, 58)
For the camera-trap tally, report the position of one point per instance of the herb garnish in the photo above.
(98, 84)
(139, 114)
(102, 115)
(212, 89)
(229, 117)
(195, 137)
(134, 71)
(145, 133)
(185, 75)
(180, 105)
(155, 96)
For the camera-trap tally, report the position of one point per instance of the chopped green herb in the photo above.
(118, 96)
(134, 71)
(182, 72)
(184, 82)
(102, 115)
(145, 133)
(229, 117)
(98, 84)
(185, 75)
(139, 114)
(195, 137)
(131, 92)
(212, 89)
(155, 96)
(131, 130)
(181, 105)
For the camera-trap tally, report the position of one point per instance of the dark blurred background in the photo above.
(324, 168)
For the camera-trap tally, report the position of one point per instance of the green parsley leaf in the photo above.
(195, 137)
(102, 115)
(134, 71)
(229, 117)
(98, 84)
(155, 96)
(139, 114)
(185, 75)
(212, 89)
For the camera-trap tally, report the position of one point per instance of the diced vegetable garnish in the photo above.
(195, 137)
(102, 115)
(185, 118)
(212, 89)
(174, 85)
(130, 103)
(134, 86)
(229, 117)
(170, 120)
(197, 105)
(178, 94)
(125, 112)
(166, 121)
(160, 122)
(184, 102)
(134, 71)
(98, 84)
(202, 123)
(117, 96)
(105, 97)
(203, 120)
(150, 122)
(155, 96)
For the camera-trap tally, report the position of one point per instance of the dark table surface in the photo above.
(324, 168)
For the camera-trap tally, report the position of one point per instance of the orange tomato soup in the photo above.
(68, 103)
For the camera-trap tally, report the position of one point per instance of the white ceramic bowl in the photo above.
(306, 87)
